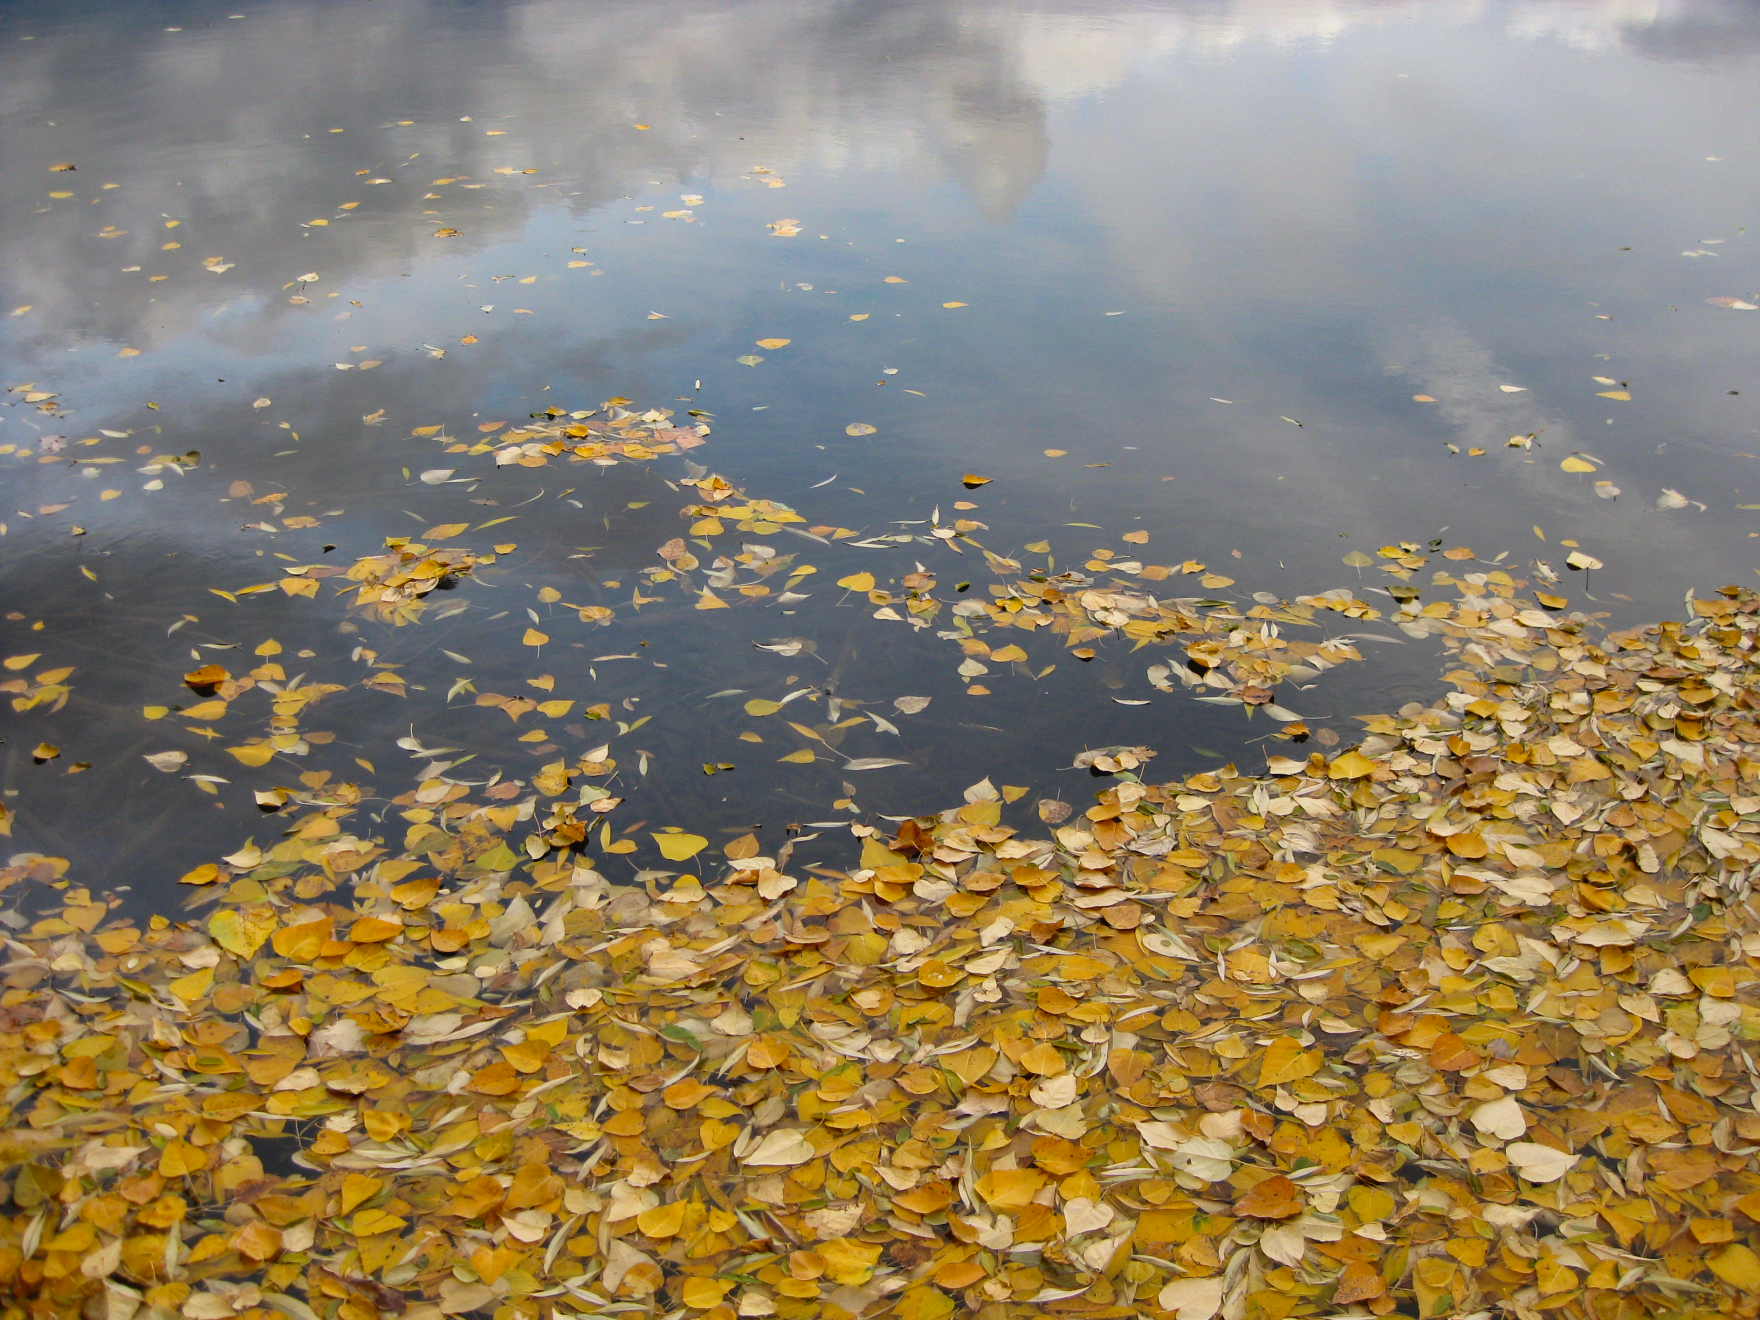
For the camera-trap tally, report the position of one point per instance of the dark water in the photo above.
(1312, 211)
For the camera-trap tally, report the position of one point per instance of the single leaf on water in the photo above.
(680, 847)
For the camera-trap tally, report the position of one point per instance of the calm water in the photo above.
(1176, 230)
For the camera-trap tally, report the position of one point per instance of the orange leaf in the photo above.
(179, 1158)
(1043, 1059)
(662, 1221)
(1360, 1282)
(1275, 1198)
(686, 1094)
(958, 1274)
(498, 1078)
(937, 975)
(766, 1052)
(257, 1241)
(1449, 1053)
(629, 1123)
(925, 1198)
(373, 930)
(528, 1056)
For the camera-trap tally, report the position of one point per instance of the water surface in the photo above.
(1212, 252)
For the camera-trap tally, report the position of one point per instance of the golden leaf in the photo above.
(1352, 765)
(1285, 1061)
(680, 847)
(357, 1187)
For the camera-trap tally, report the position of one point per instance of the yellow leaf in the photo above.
(1352, 765)
(240, 933)
(710, 601)
(803, 757)
(1575, 464)
(1553, 1277)
(22, 661)
(534, 638)
(953, 304)
(1010, 1189)
(1737, 1266)
(716, 1134)
(207, 710)
(774, 343)
(762, 706)
(528, 1056)
(1624, 396)
(373, 930)
(662, 1221)
(857, 582)
(680, 847)
(1043, 1059)
(358, 1187)
(205, 874)
(254, 754)
(1007, 654)
(1286, 1061)
(256, 1241)
(192, 987)
(849, 1262)
(1378, 944)
(860, 428)
(702, 1292)
(155, 712)
(555, 709)
(179, 1158)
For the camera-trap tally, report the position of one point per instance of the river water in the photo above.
(1280, 281)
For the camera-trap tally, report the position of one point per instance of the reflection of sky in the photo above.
(225, 124)
(1311, 208)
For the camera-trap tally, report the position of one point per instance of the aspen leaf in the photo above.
(680, 847)
(1286, 1061)
(1737, 1266)
(1537, 1163)
(782, 1146)
(1191, 1299)
(662, 1221)
(1352, 765)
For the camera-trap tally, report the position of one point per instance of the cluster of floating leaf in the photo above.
(581, 435)
(1455, 1022)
